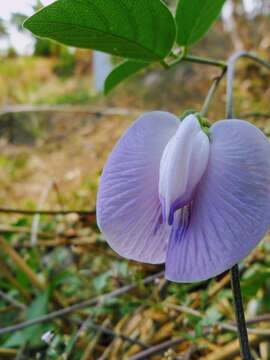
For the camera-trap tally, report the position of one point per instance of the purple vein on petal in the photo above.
(128, 206)
(231, 208)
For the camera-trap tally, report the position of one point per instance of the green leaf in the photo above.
(254, 279)
(32, 334)
(135, 29)
(121, 72)
(194, 18)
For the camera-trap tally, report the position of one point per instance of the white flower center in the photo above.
(182, 166)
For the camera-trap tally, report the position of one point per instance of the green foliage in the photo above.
(254, 279)
(121, 72)
(81, 96)
(138, 29)
(38, 308)
(66, 65)
(43, 47)
(194, 18)
(14, 168)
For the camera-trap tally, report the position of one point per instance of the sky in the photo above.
(23, 42)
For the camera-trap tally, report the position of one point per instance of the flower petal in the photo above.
(231, 210)
(182, 166)
(128, 206)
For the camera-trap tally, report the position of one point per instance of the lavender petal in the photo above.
(128, 206)
(231, 210)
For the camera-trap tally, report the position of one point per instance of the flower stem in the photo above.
(239, 314)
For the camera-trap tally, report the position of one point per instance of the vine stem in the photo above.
(211, 92)
(239, 314)
(199, 60)
(205, 61)
(231, 75)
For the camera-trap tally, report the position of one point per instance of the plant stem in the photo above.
(239, 314)
(212, 92)
(231, 74)
(205, 61)
(199, 60)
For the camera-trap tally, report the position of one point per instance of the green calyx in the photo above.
(187, 113)
(202, 120)
(205, 125)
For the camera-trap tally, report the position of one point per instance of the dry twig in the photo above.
(87, 303)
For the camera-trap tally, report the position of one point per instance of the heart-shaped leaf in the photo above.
(194, 18)
(121, 72)
(135, 29)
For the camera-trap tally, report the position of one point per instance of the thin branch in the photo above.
(157, 349)
(259, 318)
(221, 325)
(74, 339)
(36, 218)
(92, 344)
(90, 110)
(118, 335)
(12, 301)
(87, 303)
(212, 91)
(231, 75)
(24, 230)
(103, 329)
(256, 115)
(78, 241)
(47, 212)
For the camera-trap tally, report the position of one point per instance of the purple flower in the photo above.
(171, 193)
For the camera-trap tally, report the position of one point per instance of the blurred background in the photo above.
(56, 131)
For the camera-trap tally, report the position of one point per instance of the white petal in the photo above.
(182, 166)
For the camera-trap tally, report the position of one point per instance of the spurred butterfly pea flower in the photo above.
(172, 193)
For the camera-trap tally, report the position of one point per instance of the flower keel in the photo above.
(182, 166)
